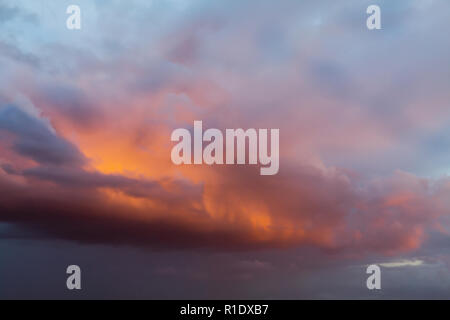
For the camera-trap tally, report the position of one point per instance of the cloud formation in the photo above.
(85, 123)
(63, 195)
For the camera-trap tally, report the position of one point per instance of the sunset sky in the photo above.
(86, 176)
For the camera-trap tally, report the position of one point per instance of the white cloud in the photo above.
(402, 263)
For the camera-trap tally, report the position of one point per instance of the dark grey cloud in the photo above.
(35, 139)
(125, 273)
(82, 179)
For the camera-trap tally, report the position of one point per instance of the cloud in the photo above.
(349, 116)
(36, 140)
(8, 13)
(231, 209)
(14, 53)
(402, 263)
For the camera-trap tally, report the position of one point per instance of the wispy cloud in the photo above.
(402, 263)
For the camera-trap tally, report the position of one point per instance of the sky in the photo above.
(86, 176)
